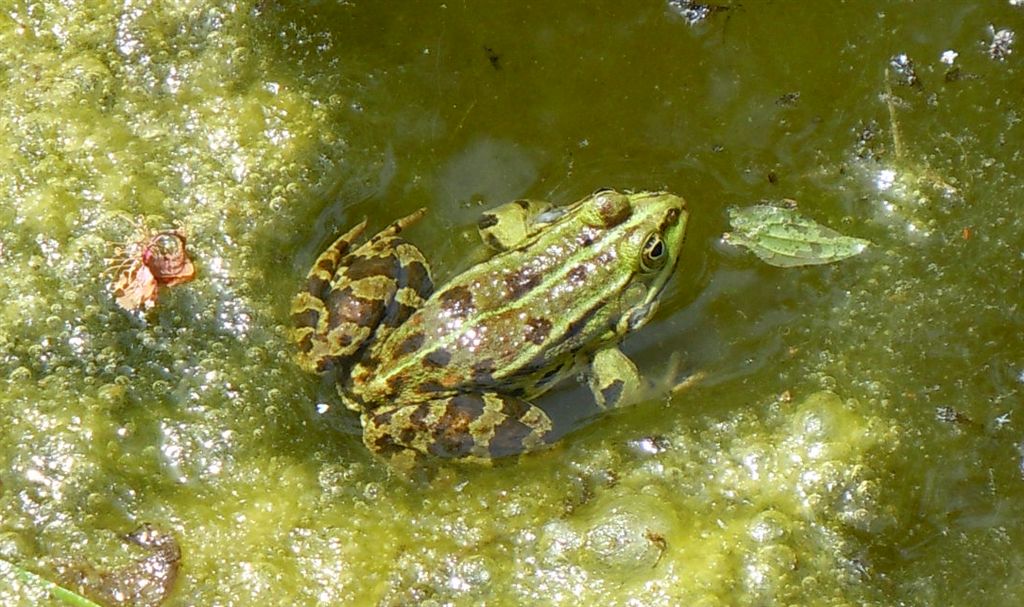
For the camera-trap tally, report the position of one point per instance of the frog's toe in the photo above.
(676, 378)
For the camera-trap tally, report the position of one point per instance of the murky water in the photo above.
(857, 438)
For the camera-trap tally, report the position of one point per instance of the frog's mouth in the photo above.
(638, 317)
(640, 314)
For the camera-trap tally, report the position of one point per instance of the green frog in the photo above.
(452, 372)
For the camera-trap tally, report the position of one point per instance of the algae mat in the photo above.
(856, 439)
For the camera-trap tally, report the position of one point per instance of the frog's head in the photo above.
(650, 228)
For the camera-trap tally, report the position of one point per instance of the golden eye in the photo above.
(653, 255)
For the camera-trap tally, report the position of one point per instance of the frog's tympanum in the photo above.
(452, 372)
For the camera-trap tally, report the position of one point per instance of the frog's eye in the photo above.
(654, 254)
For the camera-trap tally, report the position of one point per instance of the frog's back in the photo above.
(512, 324)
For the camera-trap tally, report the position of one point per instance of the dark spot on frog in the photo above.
(383, 419)
(577, 275)
(492, 241)
(513, 408)
(458, 301)
(471, 405)
(411, 344)
(452, 437)
(612, 392)
(431, 386)
(340, 341)
(306, 343)
(386, 446)
(487, 220)
(326, 265)
(508, 436)
(537, 330)
(451, 445)
(417, 277)
(366, 267)
(521, 282)
(306, 318)
(670, 219)
(531, 367)
(439, 357)
(493, 57)
(367, 366)
(483, 372)
(317, 286)
(407, 435)
(344, 306)
(395, 383)
(417, 423)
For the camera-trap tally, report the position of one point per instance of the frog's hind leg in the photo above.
(468, 427)
(318, 279)
(508, 225)
(309, 313)
(349, 294)
(412, 283)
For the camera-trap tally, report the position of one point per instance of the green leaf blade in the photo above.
(784, 238)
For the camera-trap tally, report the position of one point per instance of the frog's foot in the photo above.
(466, 427)
(674, 379)
(677, 382)
(615, 382)
(506, 226)
(350, 293)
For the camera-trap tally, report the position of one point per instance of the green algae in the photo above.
(810, 466)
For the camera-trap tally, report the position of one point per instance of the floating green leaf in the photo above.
(784, 238)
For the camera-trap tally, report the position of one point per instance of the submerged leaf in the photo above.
(41, 585)
(783, 238)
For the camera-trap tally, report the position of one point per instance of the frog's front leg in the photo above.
(468, 426)
(614, 379)
(505, 226)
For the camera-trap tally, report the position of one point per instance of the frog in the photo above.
(453, 372)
